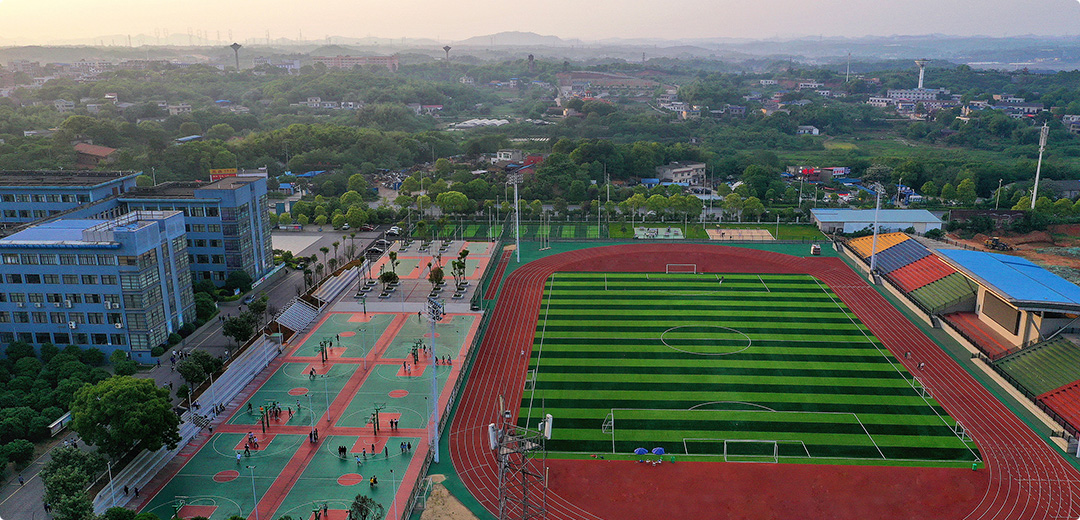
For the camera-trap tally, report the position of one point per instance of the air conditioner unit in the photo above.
(119, 325)
(67, 303)
(108, 305)
(38, 305)
(20, 305)
(56, 304)
(72, 324)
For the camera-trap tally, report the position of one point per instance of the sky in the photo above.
(25, 22)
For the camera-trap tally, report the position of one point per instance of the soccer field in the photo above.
(736, 367)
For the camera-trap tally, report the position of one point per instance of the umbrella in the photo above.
(640, 451)
(658, 451)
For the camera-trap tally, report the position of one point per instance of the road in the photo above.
(25, 502)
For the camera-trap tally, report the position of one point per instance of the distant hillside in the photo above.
(515, 38)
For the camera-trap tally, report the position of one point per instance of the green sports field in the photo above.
(736, 367)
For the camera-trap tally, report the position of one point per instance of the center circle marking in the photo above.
(670, 339)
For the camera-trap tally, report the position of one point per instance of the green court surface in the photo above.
(726, 367)
(405, 396)
(322, 482)
(231, 491)
(292, 476)
(356, 337)
(290, 385)
(451, 333)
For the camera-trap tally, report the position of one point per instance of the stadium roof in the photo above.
(1023, 283)
(889, 216)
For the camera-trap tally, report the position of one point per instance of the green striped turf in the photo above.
(786, 361)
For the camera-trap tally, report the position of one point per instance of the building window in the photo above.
(6, 337)
(74, 298)
(77, 317)
(95, 318)
(18, 298)
(13, 278)
(118, 339)
(40, 317)
(43, 337)
(33, 278)
(87, 260)
(89, 279)
(50, 278)
(29, 259)
(61, 338)
(21, 317)
(108, 279)
(5, 317)
(67, 260)
(106, 260)
(36, 297)
(71, 279)
(79, 338)
(93, 298)
(59, 318)
(100, 339)
(26, 337)
(11, 258)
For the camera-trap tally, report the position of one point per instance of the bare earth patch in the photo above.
(441, 505)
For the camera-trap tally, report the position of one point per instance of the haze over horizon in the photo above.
(26, 22)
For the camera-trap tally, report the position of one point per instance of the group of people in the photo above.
(444, 361)
(406, 446)
(313, 435)
(393, 424)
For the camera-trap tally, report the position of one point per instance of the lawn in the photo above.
(736, 367)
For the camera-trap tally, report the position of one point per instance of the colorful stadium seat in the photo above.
(864, 246)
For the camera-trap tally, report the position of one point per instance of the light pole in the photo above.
(998, 201)
(873, 249)
(435, 313)
(254, 497)
(326, 394)
(393, 490)
(515, 179)
(363, 343)
(1043, 133)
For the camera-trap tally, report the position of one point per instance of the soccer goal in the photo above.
(681, 268)
(746, 450)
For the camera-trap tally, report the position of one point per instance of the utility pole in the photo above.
(1043, 133)
(998, 201)
(435, 313)
(516, 178)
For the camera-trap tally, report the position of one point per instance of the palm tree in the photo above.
(324, 251)
(352, 242)
(335, 244)
(393, 261)
(333, 264)
(318, 270)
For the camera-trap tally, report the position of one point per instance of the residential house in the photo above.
(682, 173)
(90, 156)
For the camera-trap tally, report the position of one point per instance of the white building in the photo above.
(915, 94)
(689, 173)
(831, 220)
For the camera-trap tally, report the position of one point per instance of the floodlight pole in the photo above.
(254, 497)
(516, 178)
(435, 313)
(1043, 133)
(998, 201)
(873, 250)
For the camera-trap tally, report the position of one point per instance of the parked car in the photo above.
(345, 227)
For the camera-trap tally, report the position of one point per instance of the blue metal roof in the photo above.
(1015, 277)
(891, 216)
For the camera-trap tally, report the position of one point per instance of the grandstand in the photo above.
(951, 291)
(1044, 367)
(991, 343)
(297, 315)
(864, 246)
(922, 272)
(1065, 403)
(901, 254)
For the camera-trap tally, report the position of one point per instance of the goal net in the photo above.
(682, 268)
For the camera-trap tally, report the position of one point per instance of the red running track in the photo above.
(1024, 478)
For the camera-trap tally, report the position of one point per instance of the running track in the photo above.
(1024, 478)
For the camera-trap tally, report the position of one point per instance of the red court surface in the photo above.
(1024, 478)
(194, 511)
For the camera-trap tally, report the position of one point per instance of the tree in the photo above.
(451, 202)
(190, 128)
(657, 204)
(239, 280)
(221, 131)
(240, 328)
(19, 451)
(965, 192)
(303, 220)
(357, 183)
(258, 307)
(948, 192)
(124, 413)
(65, 491)
(191, 370)
(733, 203)
(753, 207)
(1023, 204)
(387, 278)
(364, 508)
(144, 180)
(930, 189)
(435, 276)
(392, 256)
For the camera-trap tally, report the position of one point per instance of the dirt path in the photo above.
(441, 505)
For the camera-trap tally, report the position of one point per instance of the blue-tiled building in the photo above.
(26, 196)
(226, 223)
(121, 283)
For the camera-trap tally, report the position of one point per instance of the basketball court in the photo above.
(739, 234)
(335, 380)
(664, 233)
